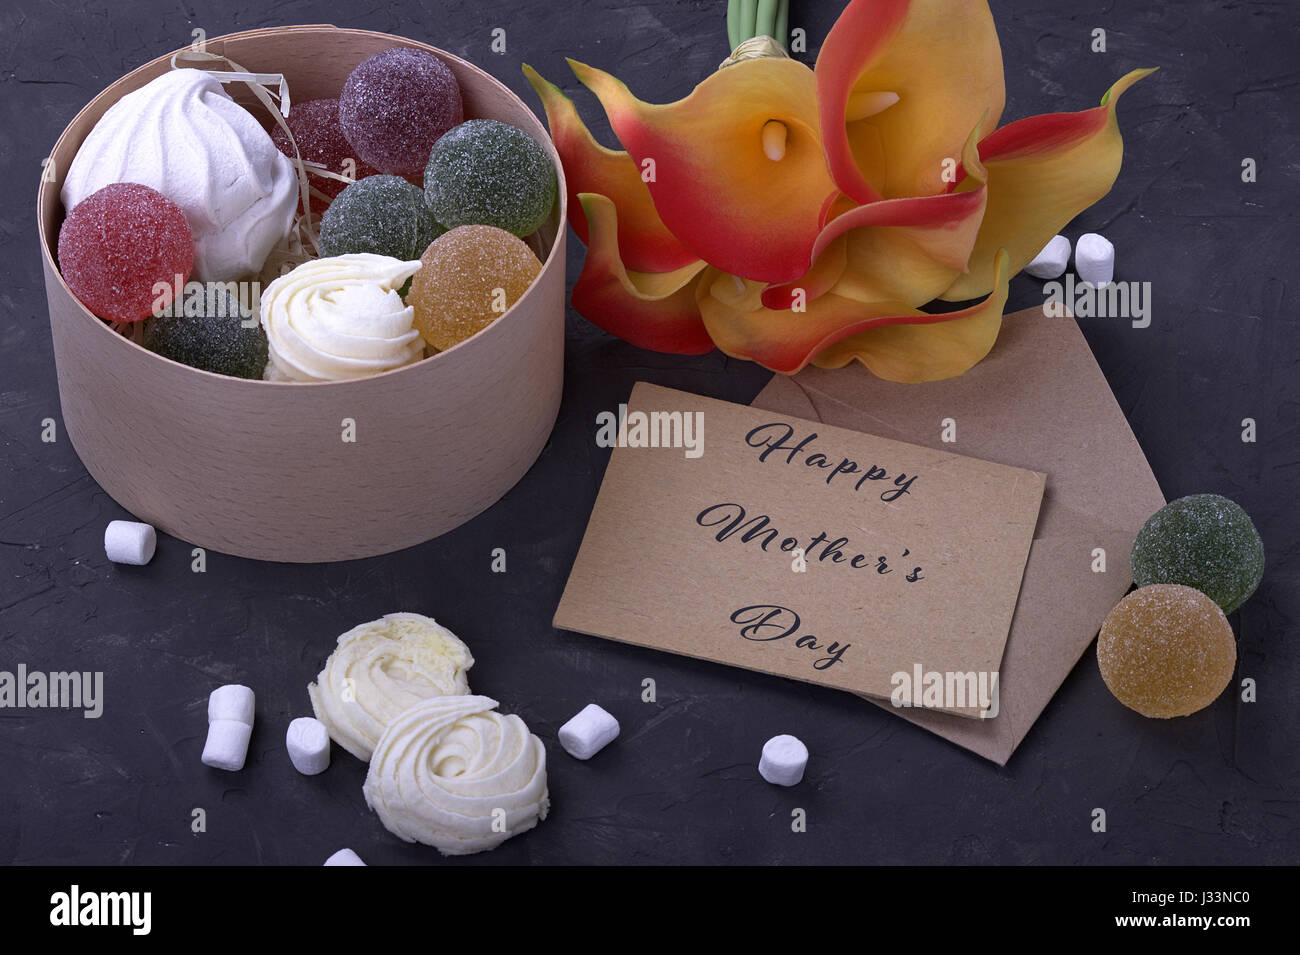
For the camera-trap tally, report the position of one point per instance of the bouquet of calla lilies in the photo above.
(788, 215)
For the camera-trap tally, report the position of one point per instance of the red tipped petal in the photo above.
(644, 242)
(1042, 172)
(942, 61)
(714, 181)
(654, 310)
(895, 341)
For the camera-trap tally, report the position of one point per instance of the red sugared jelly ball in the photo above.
(320, 139)
(118, 244)
(396, 105)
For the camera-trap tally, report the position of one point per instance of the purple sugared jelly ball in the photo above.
(119, 244)
(396, 105)
(319, 135)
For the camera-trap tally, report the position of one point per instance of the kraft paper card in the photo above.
(768, 541)
(1038, 401)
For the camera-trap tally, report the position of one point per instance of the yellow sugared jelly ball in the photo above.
(1166, 650)
(470, 276)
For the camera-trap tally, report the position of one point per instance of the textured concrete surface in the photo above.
(681, 784)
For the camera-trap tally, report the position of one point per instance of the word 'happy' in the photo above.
(777, 436)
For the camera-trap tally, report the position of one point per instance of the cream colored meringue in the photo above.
(453, 773)
(183, 135)
(340, 317)
(382, 668)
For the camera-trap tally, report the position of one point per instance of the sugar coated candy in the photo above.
(395, 105)
(1166, 650)
(211, 329)
(484, 172)
(1204, 541)
(382, 215)
(319, 135)
(118, 244)
(184, 135)
(471, 275)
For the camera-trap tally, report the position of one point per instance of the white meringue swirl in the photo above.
(453, 773)
(340, 317)
(382, 668)
(183, 135)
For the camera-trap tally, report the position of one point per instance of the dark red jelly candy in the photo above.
(124, 250)
(320, 139)
(396, 105)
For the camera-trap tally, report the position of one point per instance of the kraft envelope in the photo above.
(1038, 401)
(808, 551)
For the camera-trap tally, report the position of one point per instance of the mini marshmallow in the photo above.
(227, 745)
(1051, 262)
(231, 702)
(783, 761)
(344, 857)
(1094, 259)
(589, 732)
(127, 542)
(308, 742)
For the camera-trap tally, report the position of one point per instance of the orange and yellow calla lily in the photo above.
(788, 215)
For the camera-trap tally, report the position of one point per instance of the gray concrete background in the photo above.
(680, 785)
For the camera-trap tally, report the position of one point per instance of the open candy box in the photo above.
(322, 471)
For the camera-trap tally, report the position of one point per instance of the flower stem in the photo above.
(765, 21)
(747, 19)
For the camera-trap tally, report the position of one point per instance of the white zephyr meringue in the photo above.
(340, 317)
(183, 135)
(453, 773)
(381, 668)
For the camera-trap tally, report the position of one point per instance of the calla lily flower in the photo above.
(789, 216)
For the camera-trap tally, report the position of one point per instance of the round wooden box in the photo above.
(261, 469)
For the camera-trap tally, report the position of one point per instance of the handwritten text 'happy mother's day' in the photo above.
(777, 441)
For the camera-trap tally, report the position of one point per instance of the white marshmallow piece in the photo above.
(783, 761)
(344, 857)
(1094, 259)
(589, 732)
(231, 702)
(227, 745)
(129, 542)
(1051, 262)
(308, 742)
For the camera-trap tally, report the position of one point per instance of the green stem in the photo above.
(748, 19)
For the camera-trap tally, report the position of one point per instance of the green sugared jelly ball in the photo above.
(385, 215)
(210, 329)
(1204, 541)
(484, 172)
